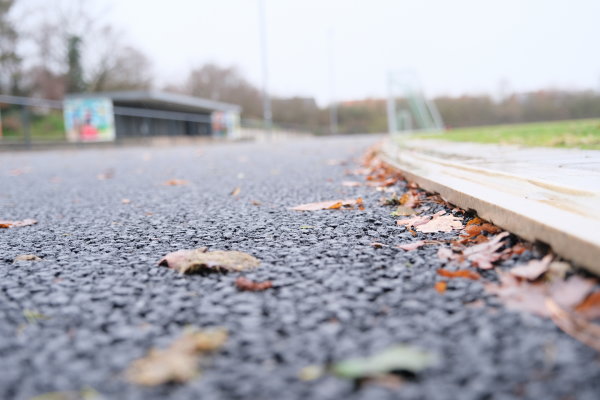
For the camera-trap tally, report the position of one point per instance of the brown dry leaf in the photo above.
(533, 269)
(519, 248)
(403, 211)
(484, 254)
(574, 325)
(476, 221)
(235, 192)
(441, 223)
(378, 245)
(256, 203)
(252, 286)
(412, 246)
(179, 362)
(557, 270)
(590, 307)
(199, 260)
(351, 183)
(17, 224)
(175, 182)
(522, 295)
(569, 293)
(463, 273)
(441, 286)
(414, 221)
(108, 174)
(26, 257)
(410, 199)
(329, 205)
(445, 254)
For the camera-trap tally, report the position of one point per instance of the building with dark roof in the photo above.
(107, 116)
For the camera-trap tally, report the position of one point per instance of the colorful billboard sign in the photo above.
(89, 119)
(225, 124)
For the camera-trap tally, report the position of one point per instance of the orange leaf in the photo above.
(440, 286)
(252, 286)
(463, 273)
(475, 221)
(411, 246)
(175, 182)
(590, 307)
(330, 205)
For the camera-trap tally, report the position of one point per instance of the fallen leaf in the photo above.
(463, 273)
(476, 221)
(398, 358)
(235, 192)
(199, 260)
(445, 253)
(472, 230)
(402, 211)
(378, 245)
(175, 182)
(519, 249)
(569, 293)
(351, 183)
(484, 254)
(33, 316)
(17, 224)
(412, 246)
(590, 306)
(125, 201)
(306, 226)
(557, 270)
(441, 223)
(311, 373)
(108, 174)
(414, 221)
(533, 269)
(83, 394)
(574, 325)
(252, 286)
(441, 286)
(522, 295)
(329, 205)
(393, 200)
(409, 199)
(179, 362)
(26, 257)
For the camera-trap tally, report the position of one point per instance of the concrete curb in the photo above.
(558, 214)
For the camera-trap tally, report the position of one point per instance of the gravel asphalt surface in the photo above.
(75, 320)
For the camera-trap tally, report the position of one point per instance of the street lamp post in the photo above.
(267, 113)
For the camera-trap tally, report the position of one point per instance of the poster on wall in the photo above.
(89, 120)
(225, 124)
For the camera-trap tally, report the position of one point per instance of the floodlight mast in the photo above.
(267, 113)
(391, 106)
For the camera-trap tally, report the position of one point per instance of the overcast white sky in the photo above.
(455, 46)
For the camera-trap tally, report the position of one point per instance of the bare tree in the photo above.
(227, 84)
(10, 62)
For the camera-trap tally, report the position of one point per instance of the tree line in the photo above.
(59, 50)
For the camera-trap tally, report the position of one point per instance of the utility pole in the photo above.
(391, 105)
(333, 111)
(267, 113)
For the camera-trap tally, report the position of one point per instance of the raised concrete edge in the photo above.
(501, 207)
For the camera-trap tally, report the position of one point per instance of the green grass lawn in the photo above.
(584, 134)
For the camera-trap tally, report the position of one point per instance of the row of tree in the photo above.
(68, 49)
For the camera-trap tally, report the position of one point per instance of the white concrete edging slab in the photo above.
(563, 216)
